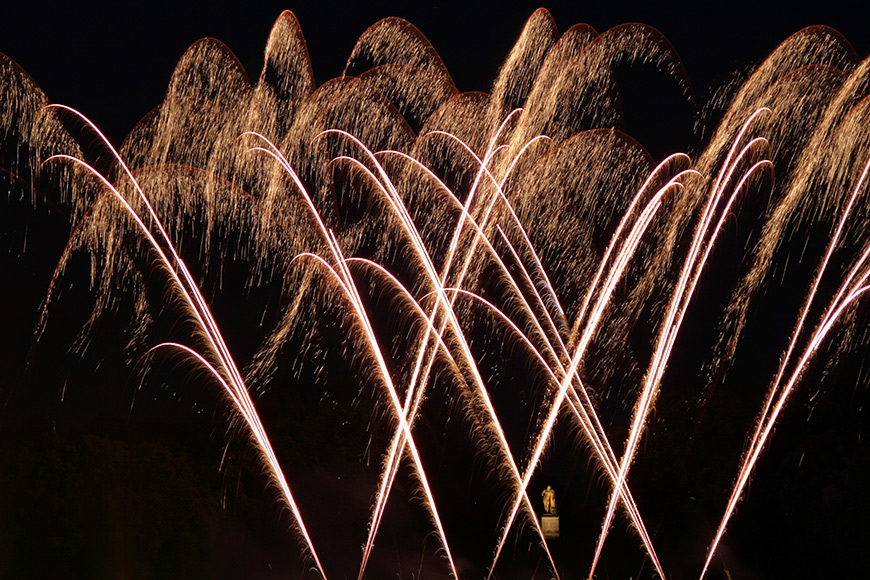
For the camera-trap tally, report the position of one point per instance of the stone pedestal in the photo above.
(550, 526)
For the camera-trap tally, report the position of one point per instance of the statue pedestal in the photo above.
(550, 526)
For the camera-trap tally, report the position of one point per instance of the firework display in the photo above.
(506, 276)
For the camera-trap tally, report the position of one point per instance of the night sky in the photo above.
(73, 455)
(113, 62)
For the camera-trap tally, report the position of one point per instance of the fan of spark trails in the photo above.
(439, 261)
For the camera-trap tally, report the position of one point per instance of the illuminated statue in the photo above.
(549, 497)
